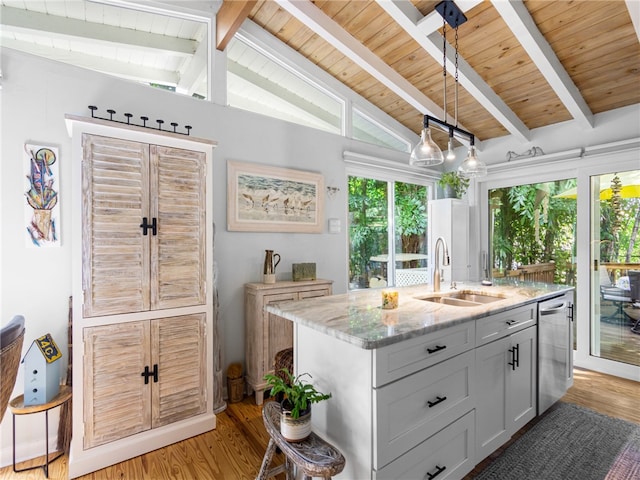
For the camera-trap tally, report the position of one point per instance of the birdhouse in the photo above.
(41, 371)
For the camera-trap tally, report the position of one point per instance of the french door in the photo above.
(615, 250)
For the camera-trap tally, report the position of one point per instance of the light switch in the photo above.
(334, 225)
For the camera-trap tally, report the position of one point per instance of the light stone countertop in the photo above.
(356, 317)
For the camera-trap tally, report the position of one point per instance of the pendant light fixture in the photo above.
(427, 152)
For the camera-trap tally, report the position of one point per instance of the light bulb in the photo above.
(426, 152)
(472, 167)
(451, 155)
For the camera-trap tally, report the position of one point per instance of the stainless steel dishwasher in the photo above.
(555, 349)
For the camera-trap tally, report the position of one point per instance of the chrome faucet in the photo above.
(445, 262)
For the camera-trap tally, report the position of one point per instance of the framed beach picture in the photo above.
(263, 198)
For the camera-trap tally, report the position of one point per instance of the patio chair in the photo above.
(11, 339)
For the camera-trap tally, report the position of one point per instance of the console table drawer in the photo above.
(404, 358)
(416, 407)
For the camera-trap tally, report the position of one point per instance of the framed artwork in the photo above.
(262, 198)
(41, 203)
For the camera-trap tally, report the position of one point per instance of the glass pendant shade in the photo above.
(451, 155)
(472, 167)
(426, 152)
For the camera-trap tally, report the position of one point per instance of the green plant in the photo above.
(457, 183)
(297, 393)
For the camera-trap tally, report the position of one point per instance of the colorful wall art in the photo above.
(42, 206)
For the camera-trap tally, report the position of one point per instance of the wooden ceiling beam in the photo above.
(229, 18)
(330, 31)
(519, 20)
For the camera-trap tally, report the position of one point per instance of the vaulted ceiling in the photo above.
(521, 64)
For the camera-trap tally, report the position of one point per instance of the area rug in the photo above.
(571, 442)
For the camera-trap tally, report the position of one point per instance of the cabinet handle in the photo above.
(515, 356)
(436, 402)
(439, 470)
(571, 312)
(145, 225)
(437, 349)
(512, 351)
(511, 322)
(155, 373)
(146, 374)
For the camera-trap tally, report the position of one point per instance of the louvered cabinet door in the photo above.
(115, 263)
(178, 250)
(117, 403)
(179, 349)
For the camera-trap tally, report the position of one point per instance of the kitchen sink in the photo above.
(462, 299)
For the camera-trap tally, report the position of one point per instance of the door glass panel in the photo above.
(615, 256)
(387, 233)
(368, 237)
(410, 234)
(533, 234)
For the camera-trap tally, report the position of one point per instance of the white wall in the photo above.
(35, 96)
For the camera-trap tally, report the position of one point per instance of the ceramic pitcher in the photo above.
(269, 259)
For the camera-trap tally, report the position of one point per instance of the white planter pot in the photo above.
(295, 429)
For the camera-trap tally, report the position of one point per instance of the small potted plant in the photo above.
(453, 185)
(297, 397)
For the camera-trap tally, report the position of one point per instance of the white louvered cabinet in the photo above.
(143, 318)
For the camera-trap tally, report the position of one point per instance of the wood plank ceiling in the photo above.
(522, 65)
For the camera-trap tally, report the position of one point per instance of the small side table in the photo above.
(18, 407)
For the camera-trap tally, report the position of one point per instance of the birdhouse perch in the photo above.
(41, 371)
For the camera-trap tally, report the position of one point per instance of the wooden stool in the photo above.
(313, 456)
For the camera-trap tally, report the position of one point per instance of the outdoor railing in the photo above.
(537, 272)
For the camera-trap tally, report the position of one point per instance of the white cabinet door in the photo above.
(521, 387)
(491, 406)
(506, 389)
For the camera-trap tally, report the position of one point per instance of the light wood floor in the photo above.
(235, 449)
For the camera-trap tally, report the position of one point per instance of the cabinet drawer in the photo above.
(501, 324)
(404, 358)
(414, 408)
(450, 452)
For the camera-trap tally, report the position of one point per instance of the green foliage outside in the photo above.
(531, 225)
(368, 223)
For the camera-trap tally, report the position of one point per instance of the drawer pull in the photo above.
(439, 470)
(511, 322)
(437, 349)
(436, 402)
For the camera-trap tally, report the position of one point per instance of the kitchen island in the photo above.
(427, 389)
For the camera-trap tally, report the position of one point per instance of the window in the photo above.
(387, 233)
(534, 225)
(146, 44)
(256, 82)
(368, 130)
